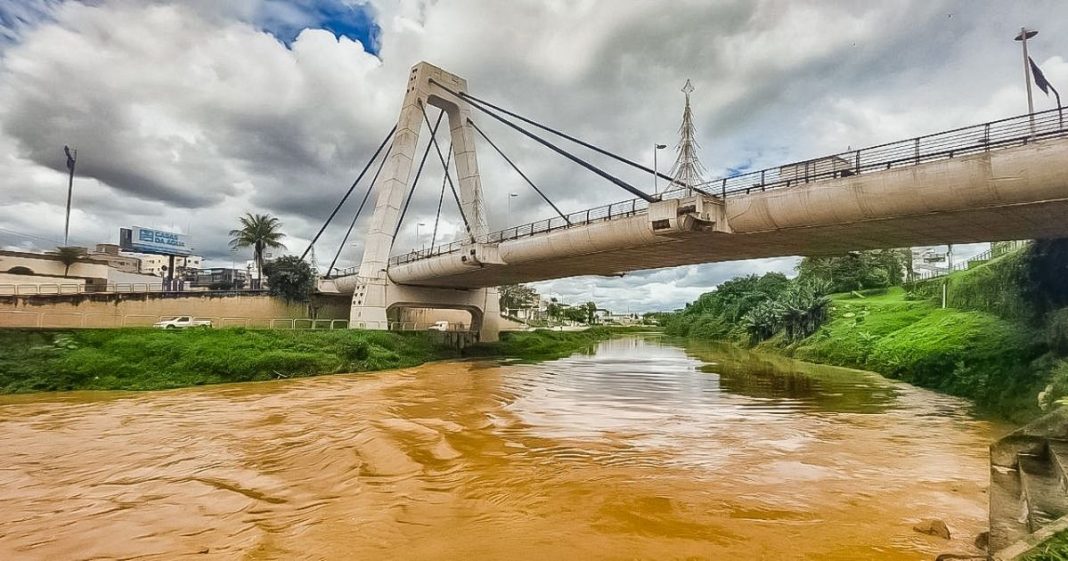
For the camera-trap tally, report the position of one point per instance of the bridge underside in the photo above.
(1017, 193)
(1046, 220)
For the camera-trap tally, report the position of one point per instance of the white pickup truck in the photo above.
(181, 322)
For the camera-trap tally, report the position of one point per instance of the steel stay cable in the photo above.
(563, 135)
(605, 175)
(349, 192)
(455, 195)
(441, 198)
(519, 171)
(418, 172)
(363, 202)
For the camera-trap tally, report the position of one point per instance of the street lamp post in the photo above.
(418, 237)
(510, 197)
(656, 170)
(1024, 35)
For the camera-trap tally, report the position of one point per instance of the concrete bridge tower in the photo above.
(376, 297)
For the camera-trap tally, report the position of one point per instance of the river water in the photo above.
(643, 449)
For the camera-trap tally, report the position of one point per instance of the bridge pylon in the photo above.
(376, 297)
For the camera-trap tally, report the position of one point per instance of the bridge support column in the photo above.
(375, 294)
(374, 300)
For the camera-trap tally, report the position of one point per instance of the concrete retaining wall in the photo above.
(125, 310)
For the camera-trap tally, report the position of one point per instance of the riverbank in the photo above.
(996, 362)
(153, 359)
(1001, 341)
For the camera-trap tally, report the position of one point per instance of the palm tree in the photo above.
(258, 231)
(69, 256)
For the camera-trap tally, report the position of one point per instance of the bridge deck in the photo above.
(995, 181)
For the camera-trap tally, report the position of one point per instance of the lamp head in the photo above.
(1029, 33)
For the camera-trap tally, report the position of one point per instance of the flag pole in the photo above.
(71, 160)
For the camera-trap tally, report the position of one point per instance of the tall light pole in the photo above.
(419, 238)
(656, 170)
(1024, 35)
(510, 197)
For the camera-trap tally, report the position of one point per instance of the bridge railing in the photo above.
(995, 135)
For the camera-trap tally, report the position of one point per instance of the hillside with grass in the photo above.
(1001, 340)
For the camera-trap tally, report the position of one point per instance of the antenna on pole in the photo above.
(688, 170)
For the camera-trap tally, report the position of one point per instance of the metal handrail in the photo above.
(984, 137)
(992, 253)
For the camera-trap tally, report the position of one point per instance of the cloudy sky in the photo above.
(189, 113)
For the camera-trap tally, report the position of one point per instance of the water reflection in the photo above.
(642, 449)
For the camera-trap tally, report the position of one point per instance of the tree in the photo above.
(591, 312)
(576, 314)
(517, 296)
(69, 256)
(554, 309)
(258, 231)
(857, 270)
(291, 278)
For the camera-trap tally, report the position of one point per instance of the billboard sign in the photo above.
(148, 240)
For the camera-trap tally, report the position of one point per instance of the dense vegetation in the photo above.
(1002, 341)
(149, 359)
(291, 278)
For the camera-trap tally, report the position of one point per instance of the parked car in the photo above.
(439, 326)
(181, 322)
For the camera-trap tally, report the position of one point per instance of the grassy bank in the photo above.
(996, 362)
(543, 344)
(1002, 341)
(150, 359)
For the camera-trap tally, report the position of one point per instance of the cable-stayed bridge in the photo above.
(1001, 180)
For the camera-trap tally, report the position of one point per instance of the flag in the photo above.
(1040, 78)
(70, 159)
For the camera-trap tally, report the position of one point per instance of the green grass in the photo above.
(153, 359)
(857, 323)
(144, 359)
(544, 344)
(969, 353)
(1053, 549)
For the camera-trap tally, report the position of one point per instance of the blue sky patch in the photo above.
(285, 19)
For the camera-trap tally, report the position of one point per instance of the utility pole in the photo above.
(72, 158)
(1024, 35)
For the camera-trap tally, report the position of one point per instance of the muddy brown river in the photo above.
(642, 449)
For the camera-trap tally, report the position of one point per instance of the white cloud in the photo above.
(187, 114)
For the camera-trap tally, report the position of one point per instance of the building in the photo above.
(822, 168)
(219, 278)
(154, 264)
(930, 260)
(25, 270)
(254, 271)
(109, 252)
